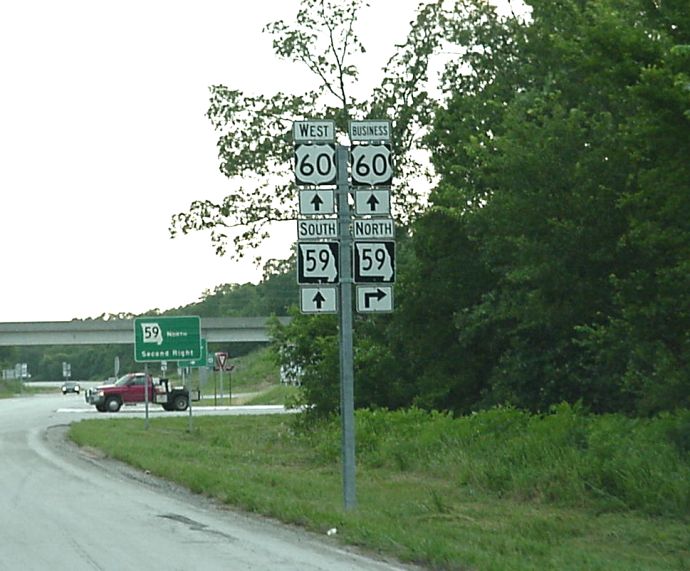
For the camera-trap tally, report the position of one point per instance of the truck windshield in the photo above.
(123, 380)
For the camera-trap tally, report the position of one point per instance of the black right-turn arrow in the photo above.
(378, 294)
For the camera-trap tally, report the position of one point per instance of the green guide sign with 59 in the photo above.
(167, 338)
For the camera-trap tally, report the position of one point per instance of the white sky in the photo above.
(103, 138)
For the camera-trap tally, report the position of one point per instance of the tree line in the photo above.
(552, 263)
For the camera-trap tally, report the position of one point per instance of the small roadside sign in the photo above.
(317, 262)
(375, 202)
(316, 202)
(221, 360)
(314, 131)
(372, 228)
(315, 164)
(321, 299)
(371, 165)
(161, 338)
(374, 262)
(374, 299)
(314, 229)
(370, 131)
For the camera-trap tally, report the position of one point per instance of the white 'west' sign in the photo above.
(314, 131)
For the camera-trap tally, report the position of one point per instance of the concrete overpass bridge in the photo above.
(121, 331)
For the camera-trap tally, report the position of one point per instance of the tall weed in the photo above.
(566, 457)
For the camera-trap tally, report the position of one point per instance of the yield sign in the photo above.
(221, 359)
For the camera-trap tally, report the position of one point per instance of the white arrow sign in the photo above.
(318, 299)
(317, 262)
(376, 202)
(316, 201)
(374, 298)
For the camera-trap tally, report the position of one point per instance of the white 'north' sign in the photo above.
(372, 228)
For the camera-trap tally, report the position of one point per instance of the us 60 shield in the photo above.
(315, 164)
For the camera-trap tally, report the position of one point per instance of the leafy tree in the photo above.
(560, 152)
(255, 147)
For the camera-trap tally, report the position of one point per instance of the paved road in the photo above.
(63, 509)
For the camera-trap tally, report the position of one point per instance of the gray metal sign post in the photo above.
(347, 404)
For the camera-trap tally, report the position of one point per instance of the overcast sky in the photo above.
(103, 138)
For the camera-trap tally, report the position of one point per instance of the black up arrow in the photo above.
(318, 300)
(378, 294)
(373, 203)
(317, 201)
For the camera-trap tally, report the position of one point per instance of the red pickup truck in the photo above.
(131, 389)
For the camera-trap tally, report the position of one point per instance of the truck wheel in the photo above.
(181, 402)
(113, 404)
(100, 408)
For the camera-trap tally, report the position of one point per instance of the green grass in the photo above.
(253, 375)
(498, 490)
(257, 369)
(13, 388)
(10, 388)
(281, 394)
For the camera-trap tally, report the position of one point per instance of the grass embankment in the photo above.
(254, 380)
(497, 490)
(14, 388)
(10, 388)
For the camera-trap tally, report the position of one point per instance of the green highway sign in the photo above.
(201, 361)
(160, 338)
